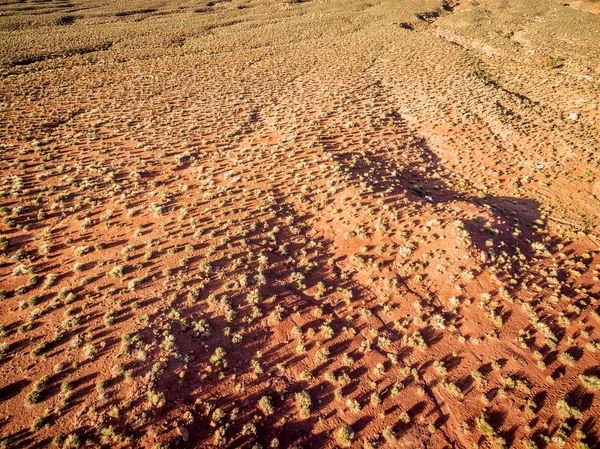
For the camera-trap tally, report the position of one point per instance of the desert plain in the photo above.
(319, 224)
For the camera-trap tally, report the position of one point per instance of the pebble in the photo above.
(596, 189)
(573, 116)
(185, 434)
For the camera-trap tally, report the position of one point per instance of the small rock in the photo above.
(483, 256)
(573, 116)
(185, 434)
(596, 189)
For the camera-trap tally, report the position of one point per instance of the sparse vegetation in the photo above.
(590, 382)
(553, 63)
(303, 403)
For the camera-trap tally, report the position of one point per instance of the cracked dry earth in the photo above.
(299, 225)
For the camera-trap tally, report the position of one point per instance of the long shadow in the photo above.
(405, 173)
(397, 180)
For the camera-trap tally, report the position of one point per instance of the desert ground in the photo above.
(319, 224)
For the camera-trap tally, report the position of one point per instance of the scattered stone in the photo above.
(596, 189)
(573, 116)
(185, 434)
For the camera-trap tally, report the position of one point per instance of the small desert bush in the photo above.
(590, 382)
(266, 406)
(345, 435)
(303, 403)
(553, 63)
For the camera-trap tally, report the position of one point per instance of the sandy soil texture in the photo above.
(319, 224)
